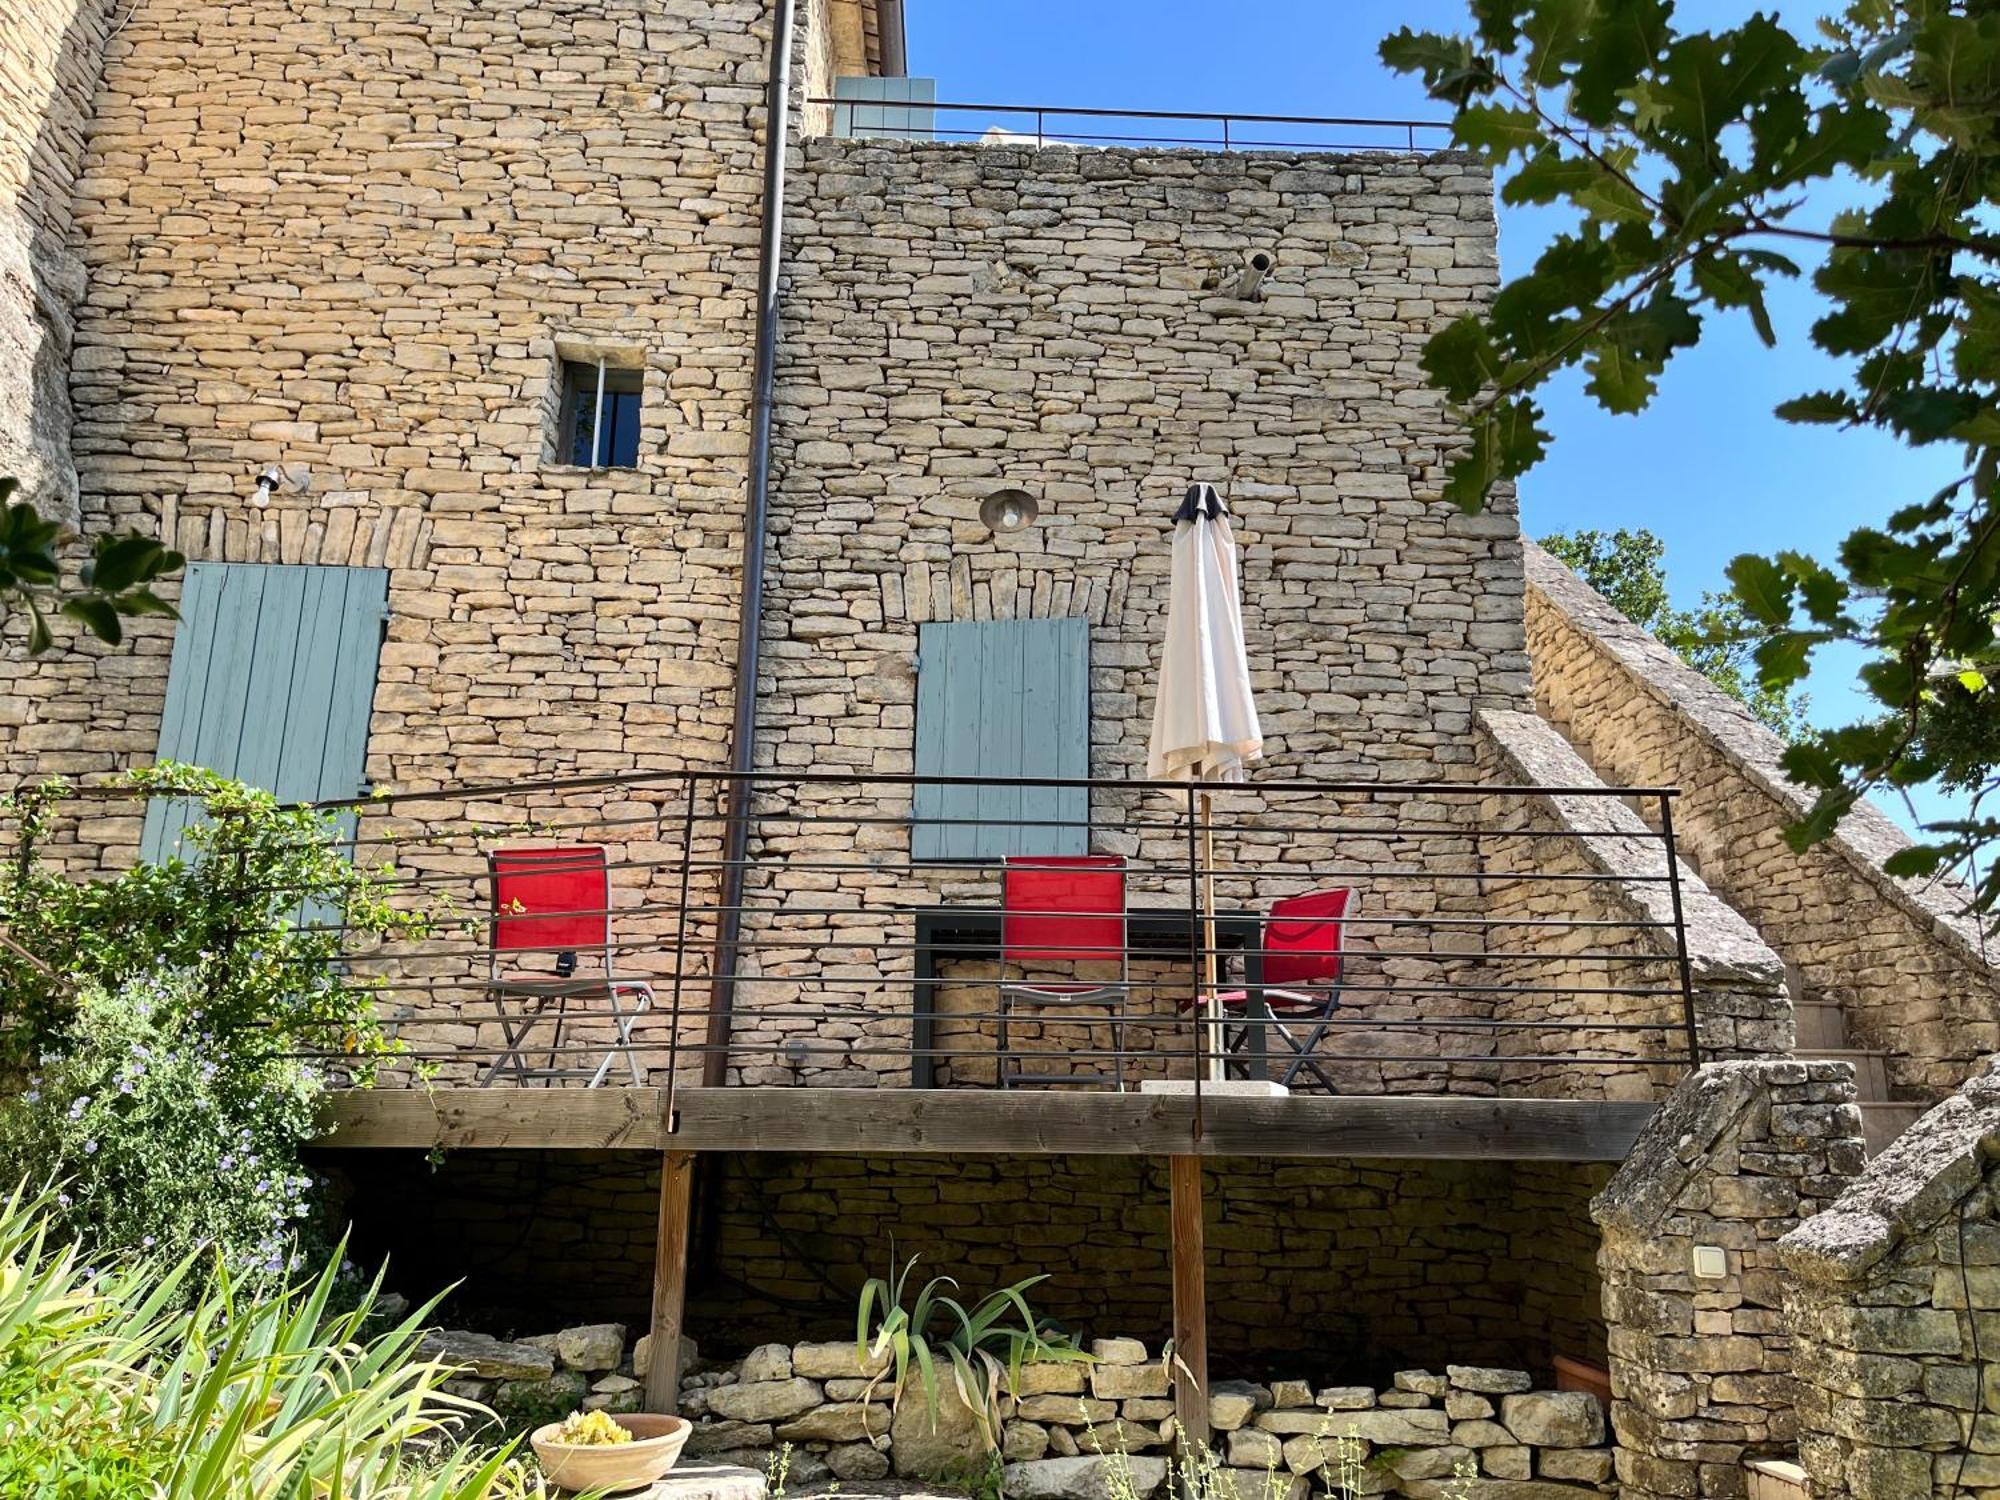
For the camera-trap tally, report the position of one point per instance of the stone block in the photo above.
(1086, 1477)
(486, 1357)
(840, 1360)
(839, 1422)
(1118, 1351)
(1231, 1403)
(1345, 1398)
(769, 1362)
(1053, 1377)
(1554, 1419)
(1115, 1382)
(1396, 1429)
(1253, 1448)
(764, 1400)
(1586, 1465)
(591, 1347)
(1486, 1381)
(857, 1461)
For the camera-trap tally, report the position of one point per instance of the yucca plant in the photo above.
(980, 1348)
(114, 1384)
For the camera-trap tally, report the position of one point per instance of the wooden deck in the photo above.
(956, 1121)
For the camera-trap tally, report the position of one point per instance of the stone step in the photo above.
(1821, 1024)
(1776, 1479)
(1882, 1120)
(1871, 1068)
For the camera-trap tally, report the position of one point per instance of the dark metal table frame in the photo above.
(1166, 931)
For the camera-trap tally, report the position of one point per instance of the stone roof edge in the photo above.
(1721, 943)
(1866, 836)
(1922, 1175)
(1647, 1185)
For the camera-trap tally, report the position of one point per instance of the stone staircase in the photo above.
(1822, 1033)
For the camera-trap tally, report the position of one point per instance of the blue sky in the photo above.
(1707, 467)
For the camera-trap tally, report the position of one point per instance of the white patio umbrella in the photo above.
(1205, 720)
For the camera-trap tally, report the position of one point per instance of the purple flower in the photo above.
(90, 1148)
(77, 1107)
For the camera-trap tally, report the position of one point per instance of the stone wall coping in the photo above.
(1228, 163)
(1925, 1173)
(1865, 838)
(1670, 1151)
(1721, 944)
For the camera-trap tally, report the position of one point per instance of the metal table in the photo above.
(974, 932)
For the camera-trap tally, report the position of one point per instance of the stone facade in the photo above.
(50, 52)
(1901, 959)
(1701, 1356)
(1893, 1301)
(1626, 975)
(1341, 1268)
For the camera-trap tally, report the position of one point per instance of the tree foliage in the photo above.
(1629, 569)
(1687, 163)
(115, 584)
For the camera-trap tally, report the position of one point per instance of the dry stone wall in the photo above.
(1702, 1357)
(1066, 1429)
(1908, 969)
(1592, 857)
(1343, 1268)
(1893, 1300)
(50, 52)
(962, 319)
(356, 244)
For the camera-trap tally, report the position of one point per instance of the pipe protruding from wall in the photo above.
(1257, 265)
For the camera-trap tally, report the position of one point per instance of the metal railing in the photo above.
(1484, 950)
(1065, 125)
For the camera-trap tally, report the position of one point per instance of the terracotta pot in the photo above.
(656, 1443)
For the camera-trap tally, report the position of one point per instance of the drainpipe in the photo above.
(895, 46)
(756, 519)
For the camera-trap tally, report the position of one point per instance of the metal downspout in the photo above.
(756, 515)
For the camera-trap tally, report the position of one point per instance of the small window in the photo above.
(600, 415)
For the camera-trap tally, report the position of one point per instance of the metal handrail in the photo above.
(1226, 137)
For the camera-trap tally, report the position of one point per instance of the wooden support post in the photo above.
(1190, 1352)
(670, 1257)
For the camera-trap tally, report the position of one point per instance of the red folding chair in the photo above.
(551, 945)
(1061, 908)
(1304, 948)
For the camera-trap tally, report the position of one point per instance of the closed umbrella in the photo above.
(1204, 720)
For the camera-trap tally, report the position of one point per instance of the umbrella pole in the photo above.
(1216, 1067)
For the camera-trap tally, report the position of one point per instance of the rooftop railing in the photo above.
(1067, 125)
(894, 931)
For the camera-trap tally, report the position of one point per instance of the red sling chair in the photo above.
(1061, 908)
(1304, 948)
(552, 945)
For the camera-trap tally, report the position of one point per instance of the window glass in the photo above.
(602, 435)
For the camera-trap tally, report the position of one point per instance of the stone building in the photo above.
(432, 337)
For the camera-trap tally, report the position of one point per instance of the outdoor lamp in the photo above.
(1007, 510)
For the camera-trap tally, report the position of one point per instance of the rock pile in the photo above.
(531, 1381)
(1078, 1430)
(1068, 1426)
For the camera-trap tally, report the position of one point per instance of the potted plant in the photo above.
(597, 1451)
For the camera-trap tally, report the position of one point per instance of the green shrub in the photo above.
(162, 1138)
(114, 1383)
(255, 913)
(152, 1024)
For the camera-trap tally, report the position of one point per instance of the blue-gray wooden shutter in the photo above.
(1002, 698)
(271, 682)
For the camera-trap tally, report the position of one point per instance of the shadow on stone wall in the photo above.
(1345, 1268)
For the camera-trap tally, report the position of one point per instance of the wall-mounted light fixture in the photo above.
(1007, 510)
(1711, 1262)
